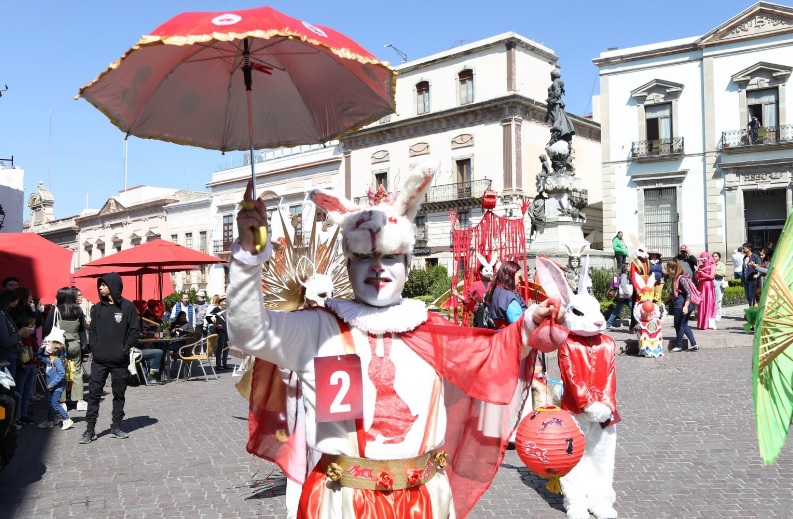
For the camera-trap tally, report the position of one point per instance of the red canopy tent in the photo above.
(157, 258)
(147, 283)
(41, 265)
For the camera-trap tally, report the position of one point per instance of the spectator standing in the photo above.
(51, 356)
(706, 272)
(754, 125)
(680, 299)
(217, 324)
(25, 378)
(719, 280)
(620, 250)
(114, 330)
(737, 264)
(656, 273)
(72, 321)
(623, 297)
(10, 336)
(201, 307)
(689, 262)
(762, 270)
(749, 273)
(10, 283)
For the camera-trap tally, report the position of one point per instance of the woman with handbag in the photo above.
(68, 316)
(720, 282)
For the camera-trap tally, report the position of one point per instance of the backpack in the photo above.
(68, 370)
(483, 318)
(694, 295)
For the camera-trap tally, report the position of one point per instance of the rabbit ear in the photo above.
(569, 250)
(583, 278)
(482, 260)
(336, 206)
(553, 280)
(583, 248)
(638, 281)
(494, 261)
(635, 240)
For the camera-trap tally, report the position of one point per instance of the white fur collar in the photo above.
(402, 317)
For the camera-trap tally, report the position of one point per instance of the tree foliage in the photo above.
(432, 281)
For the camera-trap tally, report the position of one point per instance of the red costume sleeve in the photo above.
(483, 363)
(610, 387)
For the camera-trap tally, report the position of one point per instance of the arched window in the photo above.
(466, 86)
(422, 97)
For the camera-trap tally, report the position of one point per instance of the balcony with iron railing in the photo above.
(447, 196)
(219, 246)
(746, 140)
(657, 149)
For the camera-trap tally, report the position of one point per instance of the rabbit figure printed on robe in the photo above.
(587, 364)
(648, 315)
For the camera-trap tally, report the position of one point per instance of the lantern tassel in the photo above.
(554, 486)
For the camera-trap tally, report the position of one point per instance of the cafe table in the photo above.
(162, 343)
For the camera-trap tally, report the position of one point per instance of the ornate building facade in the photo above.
(477, 112)
(683, 161)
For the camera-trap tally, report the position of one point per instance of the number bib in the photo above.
(339, 385)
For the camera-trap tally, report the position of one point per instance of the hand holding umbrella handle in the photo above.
(252, 223)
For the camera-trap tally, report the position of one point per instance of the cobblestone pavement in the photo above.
(686, 448)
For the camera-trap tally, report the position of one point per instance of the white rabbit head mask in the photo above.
(386, 227)
(488, 267)
(582, 310)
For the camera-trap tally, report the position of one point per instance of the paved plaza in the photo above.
(686, 448)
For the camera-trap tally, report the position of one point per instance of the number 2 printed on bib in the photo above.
(339, 384)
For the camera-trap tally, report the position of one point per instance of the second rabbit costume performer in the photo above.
(587, 363)
(373, 372)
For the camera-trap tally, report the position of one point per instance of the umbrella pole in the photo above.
(260, 238)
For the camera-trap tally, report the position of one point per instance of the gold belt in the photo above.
(368, 474)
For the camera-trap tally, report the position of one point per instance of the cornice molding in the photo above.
(461, 118)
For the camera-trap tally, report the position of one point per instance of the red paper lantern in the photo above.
(489, 199)
(550, 442)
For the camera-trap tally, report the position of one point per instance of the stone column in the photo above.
(347, 173)
(506, 126)
(788, 198)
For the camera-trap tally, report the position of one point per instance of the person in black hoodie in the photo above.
(114, 330)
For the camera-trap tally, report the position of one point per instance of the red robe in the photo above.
(473, 366)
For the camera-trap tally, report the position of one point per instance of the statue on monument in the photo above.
(561, 126)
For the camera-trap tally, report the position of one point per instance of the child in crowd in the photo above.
(51, 354)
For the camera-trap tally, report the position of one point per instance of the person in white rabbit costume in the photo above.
(385, 383)
(587, 365)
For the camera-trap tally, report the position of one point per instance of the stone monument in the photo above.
(555, 213)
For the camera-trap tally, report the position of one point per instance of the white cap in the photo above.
(55, 335)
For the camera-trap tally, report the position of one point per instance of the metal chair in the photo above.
(202, 351)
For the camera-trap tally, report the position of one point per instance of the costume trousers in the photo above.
(591, 481)
(99, 374)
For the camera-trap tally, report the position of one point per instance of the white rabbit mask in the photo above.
(488, 267)
(582, 311)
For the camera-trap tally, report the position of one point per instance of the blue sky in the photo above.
(49, 49)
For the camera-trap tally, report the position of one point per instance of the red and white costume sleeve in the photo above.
(588, 370)
(403, 352)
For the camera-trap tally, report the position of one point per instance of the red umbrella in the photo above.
(243, 80)
(148, 282)
(40, 265)
(155, 255)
